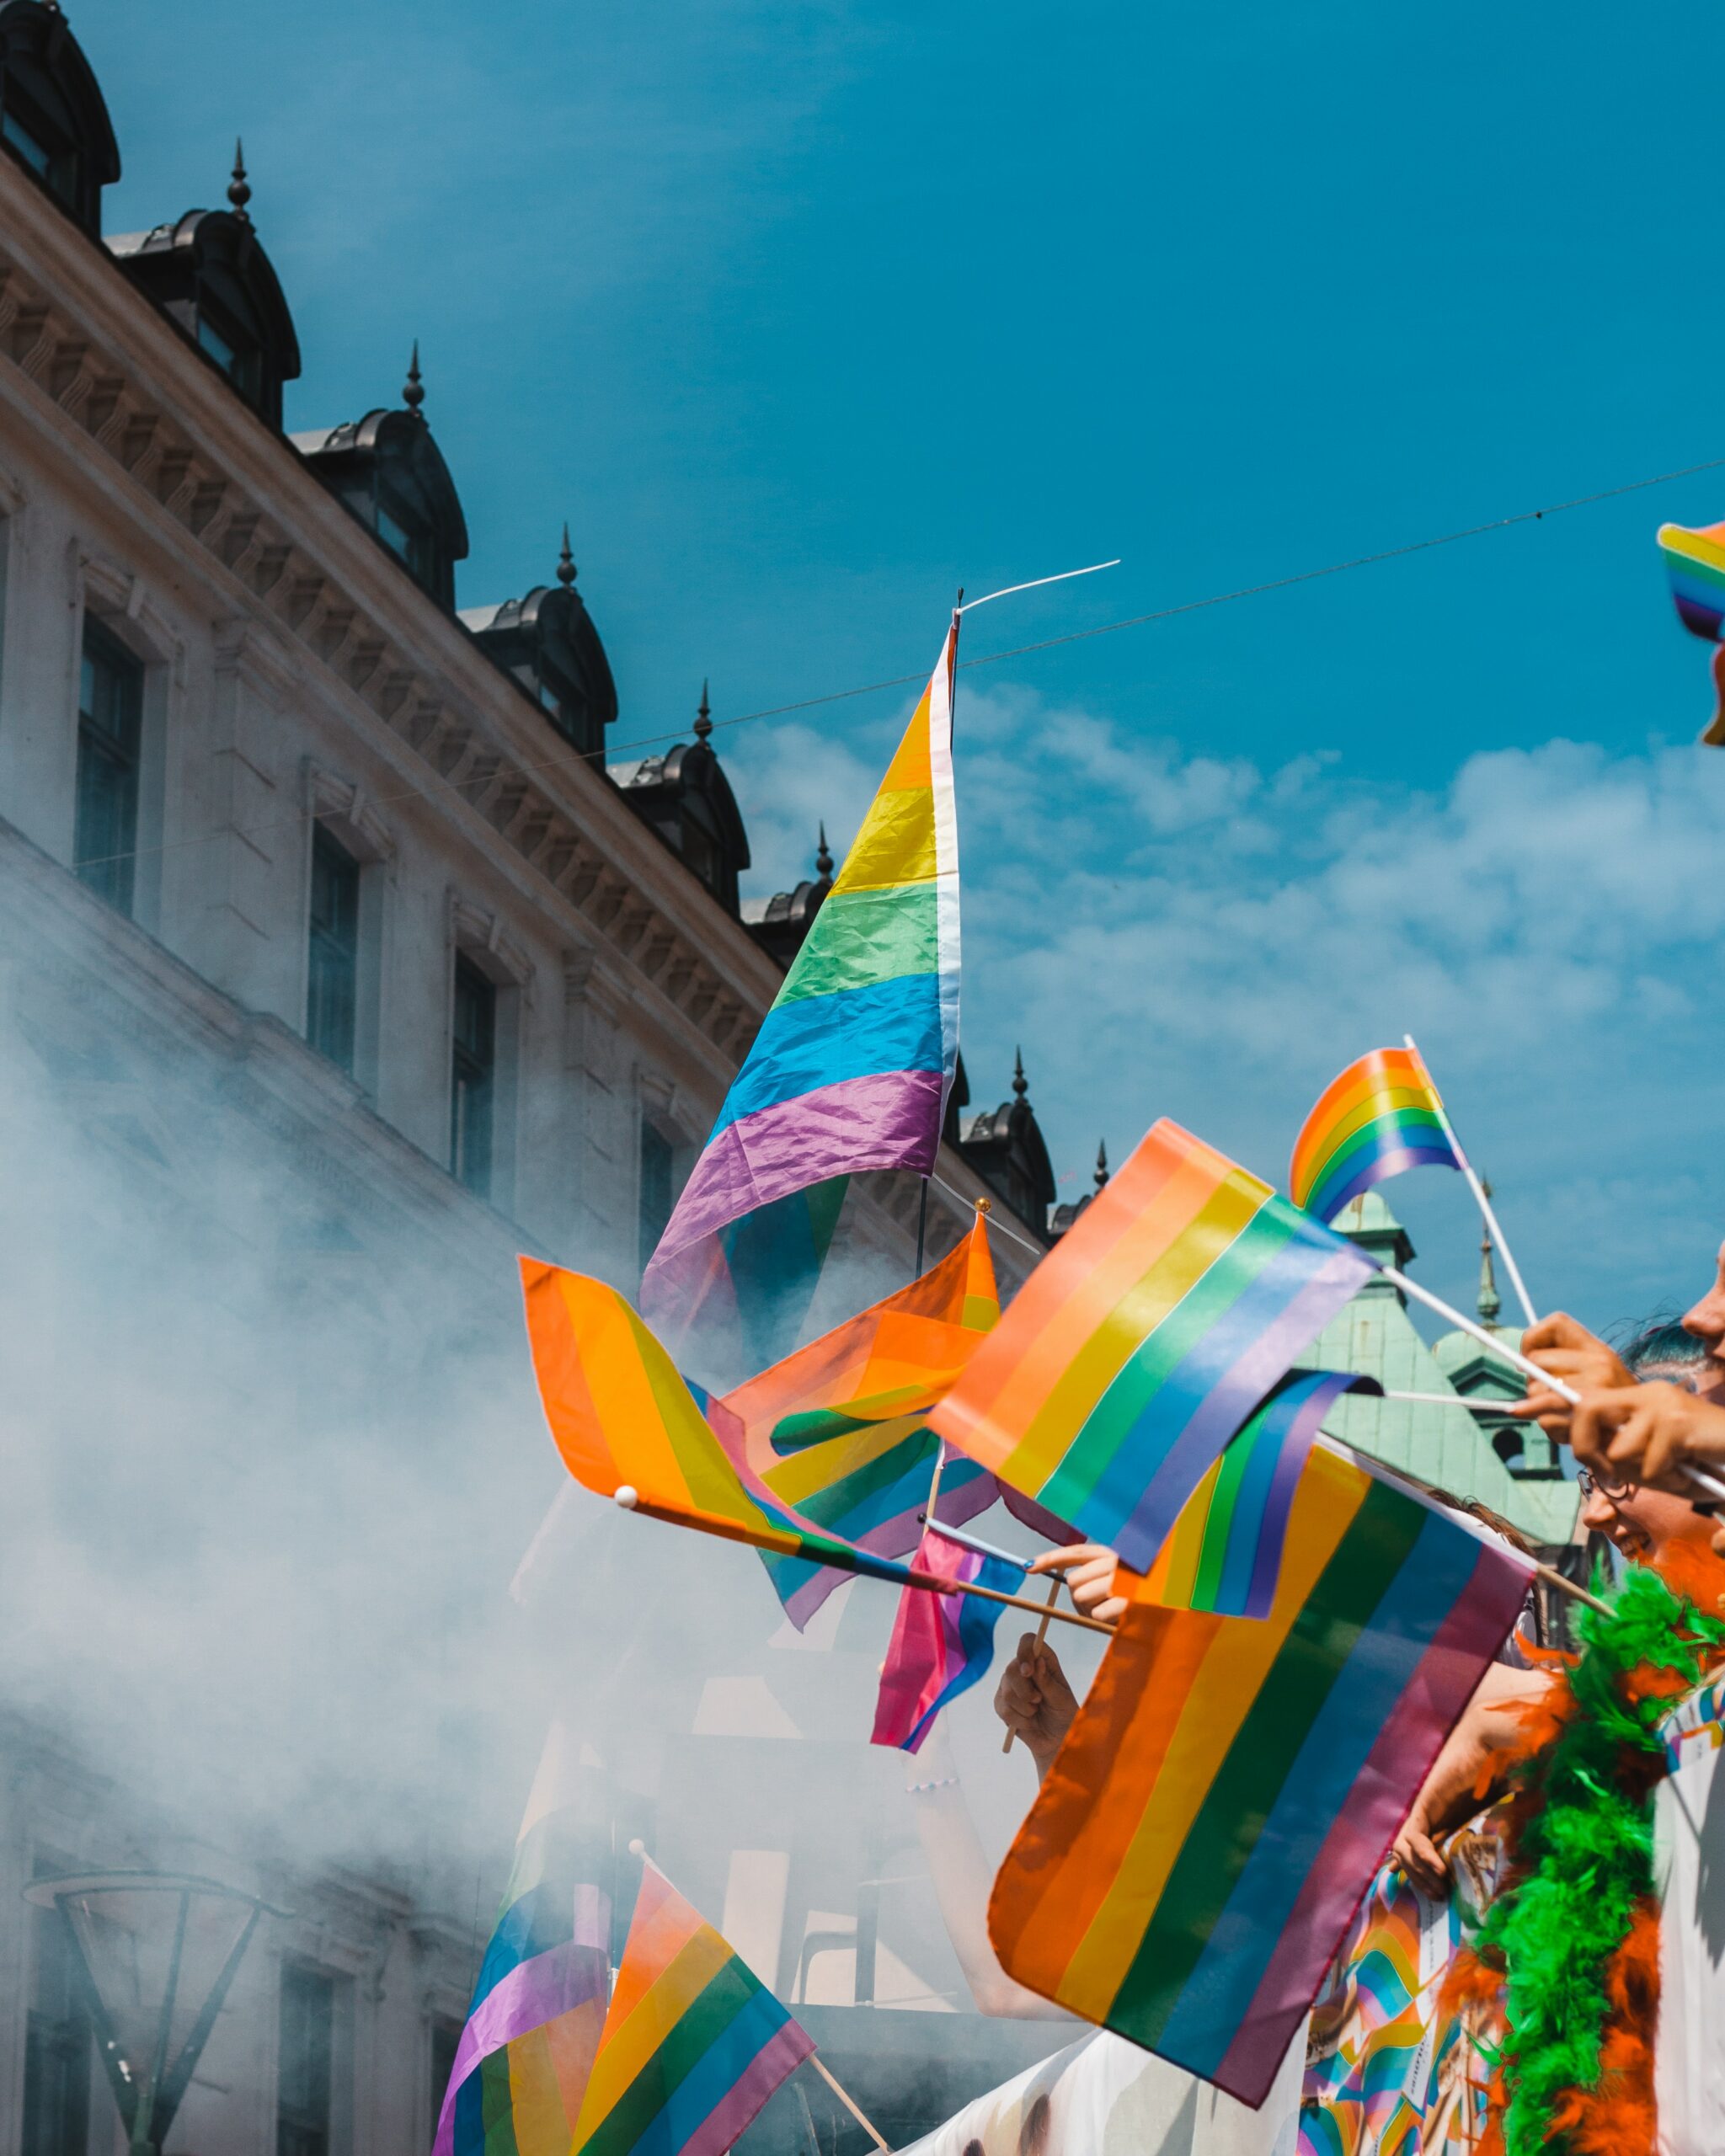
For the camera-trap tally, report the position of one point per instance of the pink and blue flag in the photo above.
(941, 1644)
(853, 1063)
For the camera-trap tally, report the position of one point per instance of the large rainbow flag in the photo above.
(940, 1645)
(1225, 1551)
(853, 1063)
(521, 2066)
(1231, 1784)
(694, 2042)
(624, 1419)
(1381, 1116)
(1142, 1342)
(839, 1431)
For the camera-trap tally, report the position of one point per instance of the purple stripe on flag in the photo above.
(781, 2055)
(1238, 1389)
(889, 1120)
(1291, 1465)
(533, 1994)
(1325, 1205)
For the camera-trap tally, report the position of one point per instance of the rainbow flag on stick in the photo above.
(1230, 1785)
(694, 2042)
(625, 1421)
(853, 1065)
(839, 1431)
(941, 1644)
(1695, 562)
(1141, 1343)
(1225, 1551)
(1381, 1116)
(521, 2066)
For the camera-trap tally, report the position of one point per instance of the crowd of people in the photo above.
(1405, 2051)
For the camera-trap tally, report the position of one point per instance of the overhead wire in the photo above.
(614, 749)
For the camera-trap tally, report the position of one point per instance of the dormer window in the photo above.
(405, 538)
(52, 117)
(548, 643)
(240, 359)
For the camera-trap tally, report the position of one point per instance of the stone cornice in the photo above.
(238, 503)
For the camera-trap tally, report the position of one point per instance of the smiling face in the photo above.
(1641, 1522)
(1706, 1321)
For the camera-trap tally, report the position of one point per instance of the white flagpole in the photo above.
(1035, 584)
(1699, 1475)
(1479, 1191)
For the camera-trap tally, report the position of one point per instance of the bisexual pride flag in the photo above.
(852, 1065)
(941, 1644)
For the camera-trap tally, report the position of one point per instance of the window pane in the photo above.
(302, 2082)
(658, 1159)
(215, 345)
(333, 970)
(472, 1075)
(110, 740)
(34, 153)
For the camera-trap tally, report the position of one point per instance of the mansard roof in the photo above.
(208, 271)
(1005, 1147)
(53, 117)
(780, 924)
(389, 471)
(546, 640)
(685, 799)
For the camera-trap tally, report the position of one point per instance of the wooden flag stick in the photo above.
(1053, 1594)
(848, 2101)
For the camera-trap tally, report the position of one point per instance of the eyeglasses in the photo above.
(1587, 1482)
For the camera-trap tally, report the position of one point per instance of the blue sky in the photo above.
(804, 312)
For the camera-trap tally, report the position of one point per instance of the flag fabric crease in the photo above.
(1231, 1784)
(1146, 1338)
(853, 1063)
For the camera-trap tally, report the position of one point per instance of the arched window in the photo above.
(53, 120)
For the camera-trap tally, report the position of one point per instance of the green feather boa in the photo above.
(1584, 1851)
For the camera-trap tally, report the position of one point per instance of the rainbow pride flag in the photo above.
(941, 1644)
(853, 1063)
(694, 2042)
(839, 1431)
(1695, 562)
(1230, 1785)
(521, 2066)
(1225, 1551)
(623, 1418)
(1381, 1116)
(1146, 1338)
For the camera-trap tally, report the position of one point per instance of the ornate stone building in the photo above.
(337, 965)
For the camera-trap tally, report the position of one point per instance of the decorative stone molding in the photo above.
(343, 807)
(484, 938)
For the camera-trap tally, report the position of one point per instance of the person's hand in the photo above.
(1489, 1723)
(1567, 1350)
(1034, 1700)
(1089, 1568)
(1648, 1434)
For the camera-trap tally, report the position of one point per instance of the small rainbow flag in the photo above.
(1141, 1343)
(1230, 1785)
(941, 1644)
(839, 1431)
(1381, 1116)
(622, 1417)
(1225, 1551)
(694, 2043)
(1695, 562)
(853, 1063)
(521, 2066)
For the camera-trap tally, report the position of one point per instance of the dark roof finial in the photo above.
(566, 561)
(1020, 1084)
(239, 192)
(823, 859)
(1101, 1177)
(413, 393)
(1490, 1302)
(703, 718)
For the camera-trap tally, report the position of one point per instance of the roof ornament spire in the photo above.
(566, 561)
(239, 190)
(823, 859)
(1020, 1084)
(703, 716)
(1101, 1177)
(1490, 1302)
(413, 394)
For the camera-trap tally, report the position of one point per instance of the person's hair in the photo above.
(1664, 1346)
